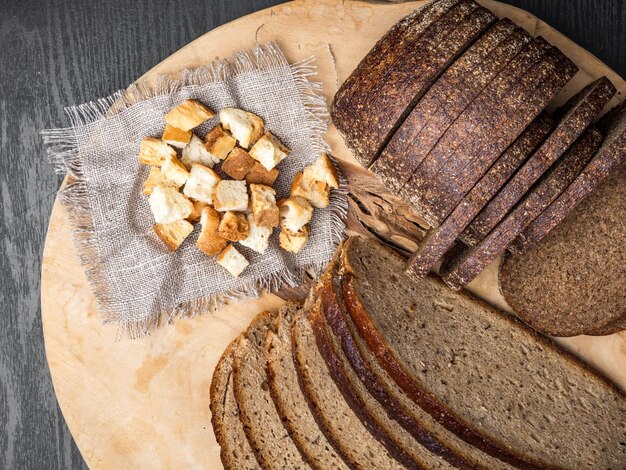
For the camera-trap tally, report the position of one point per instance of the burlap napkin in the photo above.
(136, 282)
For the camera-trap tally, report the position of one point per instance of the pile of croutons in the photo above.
(184, 188)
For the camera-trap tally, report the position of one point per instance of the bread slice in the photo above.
(486, 128)
(290, 401)
(439, 240)
(463, 266)
(266, 433)
(445, 100)
(423, 427)
(235, 450)
(429, 47)
(339, 420)
(486, 377)
(578, 113)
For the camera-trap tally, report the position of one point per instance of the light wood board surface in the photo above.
(145, 403)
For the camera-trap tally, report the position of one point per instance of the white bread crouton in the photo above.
(168, 205)
(234, 226)
(316, 192)
(174, 171)
(259, 236)
(238, 164)
(188, 114)
(201, 183)
(232, 260)
(323, 170)
(155, 178)
(293, 241)
(154, 151)
(196, 152)
(269, 151)
(219, 142)
(231, 195)
(176, 137)
(196, 212)
(295, 212)
(174, 233)
(263, 204)
(209, 241)
(259, 175)
(246, 127)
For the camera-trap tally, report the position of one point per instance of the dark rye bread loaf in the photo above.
(445, 100)
(577, 114)
(235, 450)
(481, 373)
(461, 267)
(439, 240)
(486, 128)
(289, 399)
(368, 110)
(266, 433)
(424, 428)
(350, 436)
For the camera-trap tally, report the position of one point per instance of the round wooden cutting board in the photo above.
(145, 403)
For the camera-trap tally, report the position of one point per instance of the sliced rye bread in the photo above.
(396, 87)
(462, 266)
(266, 433)
(413, 453)
(572, 282)
(439, 240)
(235, 450)
(290, 400)
(422, 426)
(445, 100)
(341, 423)
(481, 373)
(578, 113)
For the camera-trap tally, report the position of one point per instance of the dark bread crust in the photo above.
(578, 113)
(612, 328)
(446, 99)
(462, 267)
(439, 240)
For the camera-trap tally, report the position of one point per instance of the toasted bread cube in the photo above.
(234, 226)
(323, 170)
(155, 178)
(263, 205)
(295, 212)
(196, 152)
(168, 205)
(154, 151)
(219, 142)
(174, 171)
(246, 127)
(188, 114)
(259, 175)
(209, 241)
(201, 183)
(316, 192)
(293, 241)
(176, 137)
(258, 237)
(269, 151)
(231, 195)
(196, 212)
(238, 163)
(174, 233)
(232, 260)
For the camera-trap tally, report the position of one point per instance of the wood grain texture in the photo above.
(55, 54)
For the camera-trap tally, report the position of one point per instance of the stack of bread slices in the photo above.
(377, 370)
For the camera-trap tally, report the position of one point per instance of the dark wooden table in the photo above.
(56, 54)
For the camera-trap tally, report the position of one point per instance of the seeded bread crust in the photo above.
(235, 450)
(578, 113)
(439, 240)
(517, 366)
(396, 87)
(463, 266)
(446, 99)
